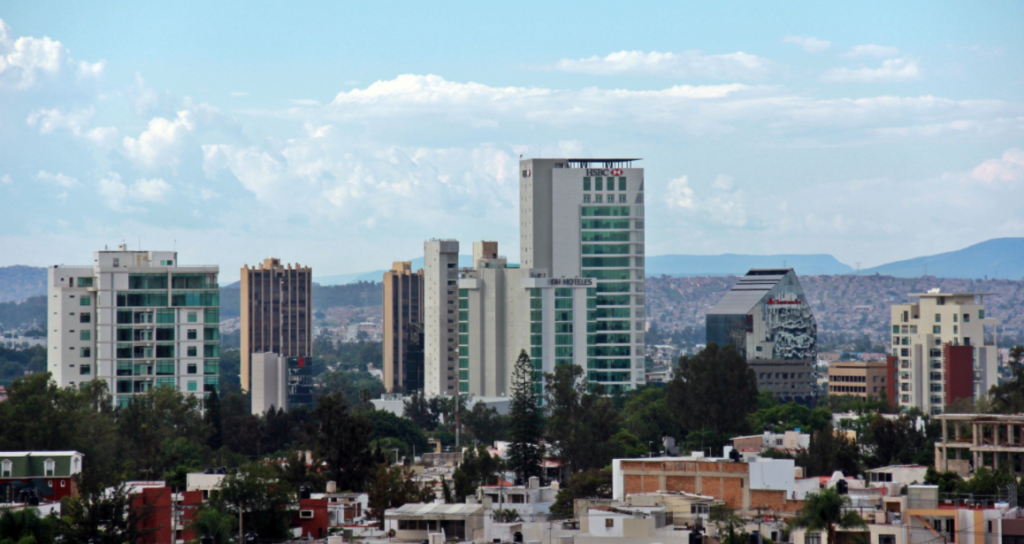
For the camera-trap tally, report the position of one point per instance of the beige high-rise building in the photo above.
(440, 288)
(403, 328)
(945, 348)
(277, 312)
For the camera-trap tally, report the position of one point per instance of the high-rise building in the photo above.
(440, 287)
(403, 328)
(945, 349)
(505, 309)
(766, 317)
(136, 319)
(583, 219)
(277, 312)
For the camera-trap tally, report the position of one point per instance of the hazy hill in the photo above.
(20, 282)
(734, 264)
(1001, 258)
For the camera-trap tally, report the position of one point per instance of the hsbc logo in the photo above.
(604, 171)
(527, 173)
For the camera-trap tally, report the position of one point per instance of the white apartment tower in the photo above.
(583, 219)
(136, 319)
(944, 348)
(440, 316)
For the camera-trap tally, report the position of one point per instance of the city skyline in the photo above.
(873, 135)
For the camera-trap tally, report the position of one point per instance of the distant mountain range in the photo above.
(1000, 258)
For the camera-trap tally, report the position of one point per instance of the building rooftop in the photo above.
(937, 294)
(748, 291)
(434, 510)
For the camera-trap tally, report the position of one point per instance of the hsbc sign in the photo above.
(604, 171)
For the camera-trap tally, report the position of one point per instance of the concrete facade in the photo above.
(859, 379)
(403, 328)
(584, 219)
(970, 441)
(269, 382)
(277, 312)
(943, 349)
(135, 319)
(440, 287)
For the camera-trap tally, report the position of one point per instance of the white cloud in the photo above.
(91, 69)
(722, 206)
(111, 188)
(891, 70)
(161, 142)
(76, 122)
(149, 190)
(685, 64)
(1010, 167)
(6, 179)
(871, 50)
(208, 194)
(808, 43)
(24, 59)
(60, 179)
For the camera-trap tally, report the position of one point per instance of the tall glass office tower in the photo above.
(584, 219)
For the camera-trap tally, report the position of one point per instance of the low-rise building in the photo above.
(790, 441)
(759, 482)
(860, 379)
(896, 474)
(529, 501)
(50, 473)
(970, 441)
(414, 522)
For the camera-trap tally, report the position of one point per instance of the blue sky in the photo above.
(342, 135)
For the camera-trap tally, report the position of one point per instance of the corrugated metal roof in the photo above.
(434, 510)
(745, 294)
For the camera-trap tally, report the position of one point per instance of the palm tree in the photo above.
(823, 511)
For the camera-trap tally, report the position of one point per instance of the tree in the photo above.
(580, 423)
(823, 511)
(417, 408)
(256, 491)
(213, 422)
(25, 527)
(219, 525)
(1008, 398)
(592, 484)
(726, 521)
(343, 441)
(478, 467)
(525, 452)
(830, 451)
(391, 487)
(484, 423)
(896, 442)
(111, 518)
(646, 416)
(947, 481)
(713, 390)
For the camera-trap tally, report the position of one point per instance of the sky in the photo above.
(342, 135)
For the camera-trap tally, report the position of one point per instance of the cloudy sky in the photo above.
(342, 136)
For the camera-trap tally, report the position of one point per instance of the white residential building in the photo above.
(136, 319)
(440, 315)
(945, 349)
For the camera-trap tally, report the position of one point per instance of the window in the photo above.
(938, 318)
(86, 352)
(609, 523)
(84, 282)
(192, 334)
(306, 514)
(85, 335)
(954, 318)
(622, 198)
(586, 184)
(886, 539)
(598, 199)
(85, 370)
(967, 318)
(812, 538)
(936, 329)
(85, 301)
(598, 184)
(192, 370)
(586, 199)
(191, 386)
(192, 351)
(85, 317)
(193, 317)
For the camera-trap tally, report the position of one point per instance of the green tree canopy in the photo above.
(823, 511)
(525, 452)
(580, 423)
(713, 390)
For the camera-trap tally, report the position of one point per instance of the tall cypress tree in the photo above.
(213, 421)
(525, 452)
